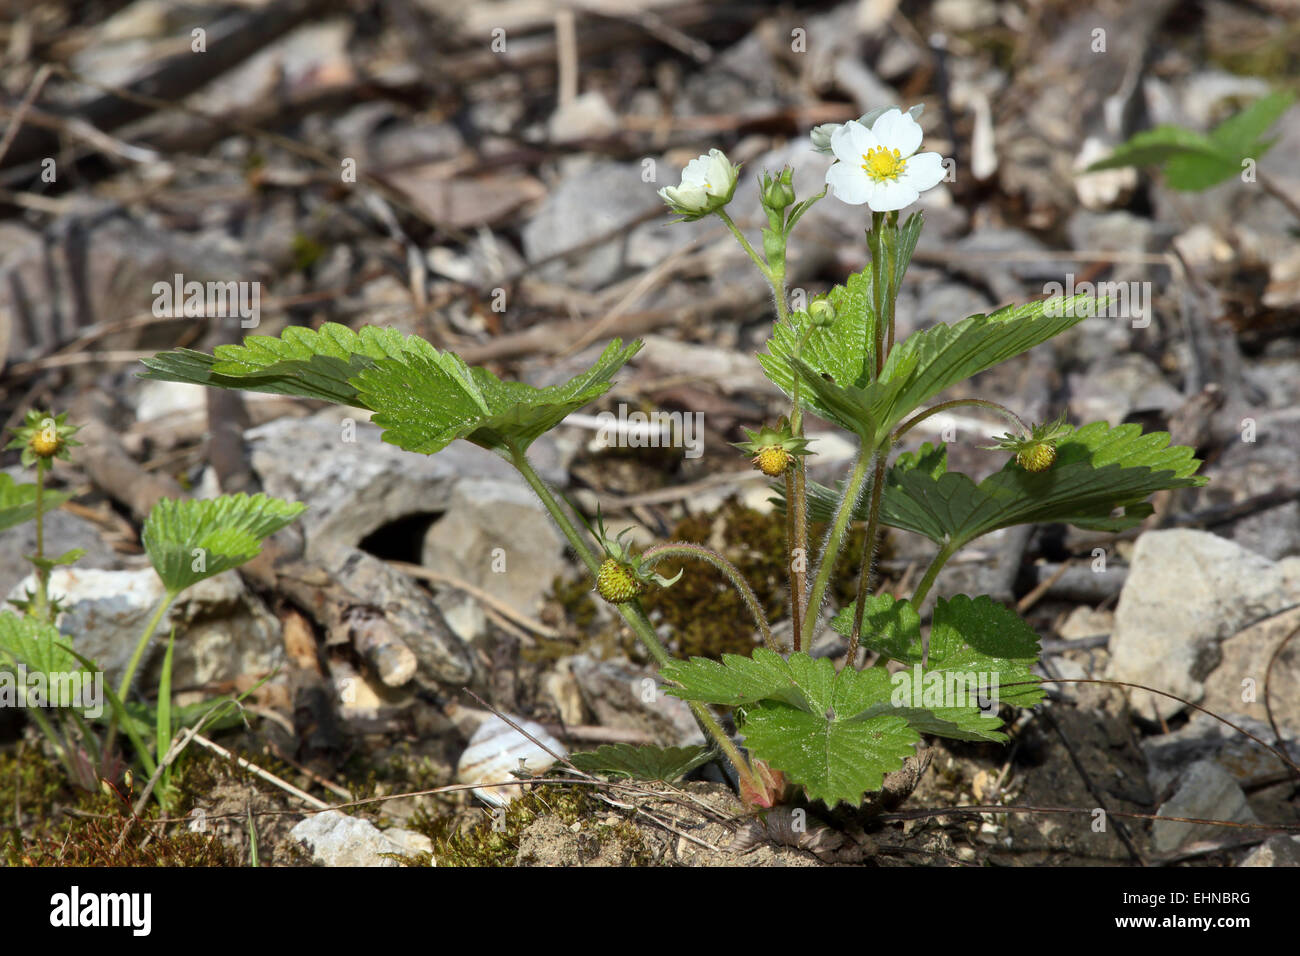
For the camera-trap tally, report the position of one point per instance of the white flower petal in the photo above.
(863, 140)
(890, 195)
(898, 131)
(696, 172)
(850, 183)
(924, 171)
(851, 142)
(719, 181)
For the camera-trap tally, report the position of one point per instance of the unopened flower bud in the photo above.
(821, 312)
(778, 191)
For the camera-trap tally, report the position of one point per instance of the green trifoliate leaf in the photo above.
(642, 763)
(978, 650)
(36, 645)
(424, 398)
(1097, 471)
(835, 760)
(424, 404)
(832, 732)
(842, 351)
(18, 502)
(836, 368)
(934, 359)
(966, 634)
(188, 541)
(302, 362)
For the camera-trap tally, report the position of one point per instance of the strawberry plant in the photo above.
(832, 731)
(187, 542)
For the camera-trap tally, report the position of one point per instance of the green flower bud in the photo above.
(821, 312)
(778, 191)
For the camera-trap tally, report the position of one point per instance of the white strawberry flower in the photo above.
(879, 165)
(708, 183)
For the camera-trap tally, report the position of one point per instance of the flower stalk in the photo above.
(685, 549)
(632, 613)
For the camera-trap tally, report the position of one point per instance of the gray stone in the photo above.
(412, 843)
(1085, 622)
(1277, 850)
(409, 609)
(353, 488)
(590, 200)
(1116, 386)
(1238, 683)
(588, 116)
(1185, 593)
(498, 537)
(1249, 468)
(1206, 792)
(336, 839)
(945, 302)
(627, 697)
(223, 630)
(1205, 738)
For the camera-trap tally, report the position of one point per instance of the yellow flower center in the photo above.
(882, 164)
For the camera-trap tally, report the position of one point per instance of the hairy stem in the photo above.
(879, 286)
(799, 559)
(129, 674)
(868, 552)
(796, 590)
(834, 542)
(753, 254)
(561, 519)
(932, 572)
(642, 628)
(42, 574)
(943, 406)
(685, 549)
(631, 612)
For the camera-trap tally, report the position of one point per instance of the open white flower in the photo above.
(879, 165)
(821, 135)
(708, 183)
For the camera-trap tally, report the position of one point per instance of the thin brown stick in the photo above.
(16, 121)
(1151, 690)
(478, 594)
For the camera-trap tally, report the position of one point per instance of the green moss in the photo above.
(574, 595)
(708, 617)
(46, 822)
(494, 840)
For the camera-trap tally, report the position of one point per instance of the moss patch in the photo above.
(497, 839)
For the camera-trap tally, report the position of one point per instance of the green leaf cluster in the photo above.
(1100, 481)
(831, 732)
(642, 762)
(188, 541)
(1194, 161)
(423, 398)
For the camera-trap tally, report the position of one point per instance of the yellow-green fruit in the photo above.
(1037, 458)
(45, 443)
(773, 461)
(616, 584)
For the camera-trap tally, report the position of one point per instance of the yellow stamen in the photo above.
(881, 164)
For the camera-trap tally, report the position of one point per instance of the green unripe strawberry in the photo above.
(616, 583)
(773, 461)
(1037, 457)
